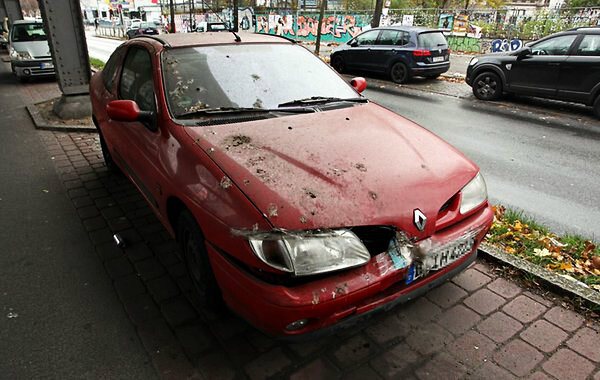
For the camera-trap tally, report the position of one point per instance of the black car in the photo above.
(399, 51)
(145, 28)
(562, 66)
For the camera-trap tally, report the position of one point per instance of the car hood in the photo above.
(35, 48)
(360, 165)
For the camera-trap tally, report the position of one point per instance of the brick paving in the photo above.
(479, 325)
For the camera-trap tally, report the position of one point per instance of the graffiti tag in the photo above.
(505, 45)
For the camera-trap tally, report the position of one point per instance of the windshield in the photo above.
(432, 40)
(28, 32)
(252, 75)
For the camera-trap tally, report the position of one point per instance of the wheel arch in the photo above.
(493, 68)
(174, 206)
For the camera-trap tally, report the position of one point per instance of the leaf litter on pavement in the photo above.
(568, 255)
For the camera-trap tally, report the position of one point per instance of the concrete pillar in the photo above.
(66, 36)
(13, 10)
(3, 14)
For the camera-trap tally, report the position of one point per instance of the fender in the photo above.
(594, 94)
(495, 69)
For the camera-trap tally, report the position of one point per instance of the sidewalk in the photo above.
(480, 325)
(59, 316)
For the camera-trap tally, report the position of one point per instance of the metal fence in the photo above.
(111, 31)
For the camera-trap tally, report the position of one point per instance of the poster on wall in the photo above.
(408, 20)
(446, 21)
(460, 24)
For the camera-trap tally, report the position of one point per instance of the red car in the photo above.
(302, 204)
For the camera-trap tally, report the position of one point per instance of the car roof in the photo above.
(36, 21)
(416, 29)
(586, 29)
(177, 40)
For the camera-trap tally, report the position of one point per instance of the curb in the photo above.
(41, 123)
(557, 282)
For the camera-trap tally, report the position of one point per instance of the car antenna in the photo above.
(237, 38)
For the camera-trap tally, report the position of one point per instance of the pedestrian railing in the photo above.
(111, 31)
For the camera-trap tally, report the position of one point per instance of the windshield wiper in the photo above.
(320, 100)
(234, 110)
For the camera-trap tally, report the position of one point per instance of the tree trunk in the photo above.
(377, 14)
(321, 15)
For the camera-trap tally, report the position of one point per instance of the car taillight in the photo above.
(421, 53)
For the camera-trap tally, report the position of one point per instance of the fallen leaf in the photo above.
(541, 252)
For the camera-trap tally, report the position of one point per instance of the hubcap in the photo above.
(398, 72)
(486, 87)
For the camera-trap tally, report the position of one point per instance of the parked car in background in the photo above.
(563, 66)
(301, 203)
(401, 52)
(145, 28)
(29, 50)
(212, 27)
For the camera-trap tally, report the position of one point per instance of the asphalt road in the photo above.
(100, 48)
(550, 171)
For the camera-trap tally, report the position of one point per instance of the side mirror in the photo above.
(359, 84)
(353, 43)
(524, 52)
(128, 111)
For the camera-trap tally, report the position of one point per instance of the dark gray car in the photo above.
(398, 51)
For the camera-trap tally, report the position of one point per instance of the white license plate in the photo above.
(439, 59)
(439, 259)
(46, 66)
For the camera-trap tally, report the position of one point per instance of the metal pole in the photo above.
(13, 10)
(172, 10)
(377, 14)
(66, 37)
(320, 25)
(236, 21)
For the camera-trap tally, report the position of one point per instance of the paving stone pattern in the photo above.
(477, 326)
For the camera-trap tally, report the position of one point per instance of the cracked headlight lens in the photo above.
(20, 55)
(310, 252)
(473, 194)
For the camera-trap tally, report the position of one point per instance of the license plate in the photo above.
(439, 259)
(46, 66)
(439, 59)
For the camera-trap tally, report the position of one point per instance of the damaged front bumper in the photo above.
(342, 299)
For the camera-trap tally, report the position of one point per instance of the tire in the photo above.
(597, 107)
(399, 73)
(108, 160)
(487, 86)
(193, 250)
(338, 65)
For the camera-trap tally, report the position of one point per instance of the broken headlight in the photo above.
(312, 252)
(473, 194)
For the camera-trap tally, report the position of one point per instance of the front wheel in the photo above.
(487, 86)
(338, 65)
(108, 160)
(399, 73)
(597, 107)
(193, 249)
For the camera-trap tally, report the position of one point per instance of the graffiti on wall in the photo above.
(506, 45)
(337, 28)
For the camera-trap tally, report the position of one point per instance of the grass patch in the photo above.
(572, 255)
(96, 63)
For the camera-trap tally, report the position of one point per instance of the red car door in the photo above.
(140, 141)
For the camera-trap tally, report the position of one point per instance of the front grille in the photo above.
(375, 238)
(38, 71)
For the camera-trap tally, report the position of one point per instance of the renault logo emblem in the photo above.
(419, 219)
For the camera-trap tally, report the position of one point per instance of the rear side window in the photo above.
(589, 46)
(393, 37)
(109, 72)
(432, 40)
(136, 79)
(368, 38)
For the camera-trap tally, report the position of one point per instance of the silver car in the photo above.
(29, 50)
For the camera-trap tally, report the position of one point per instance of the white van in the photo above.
(29, 50)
